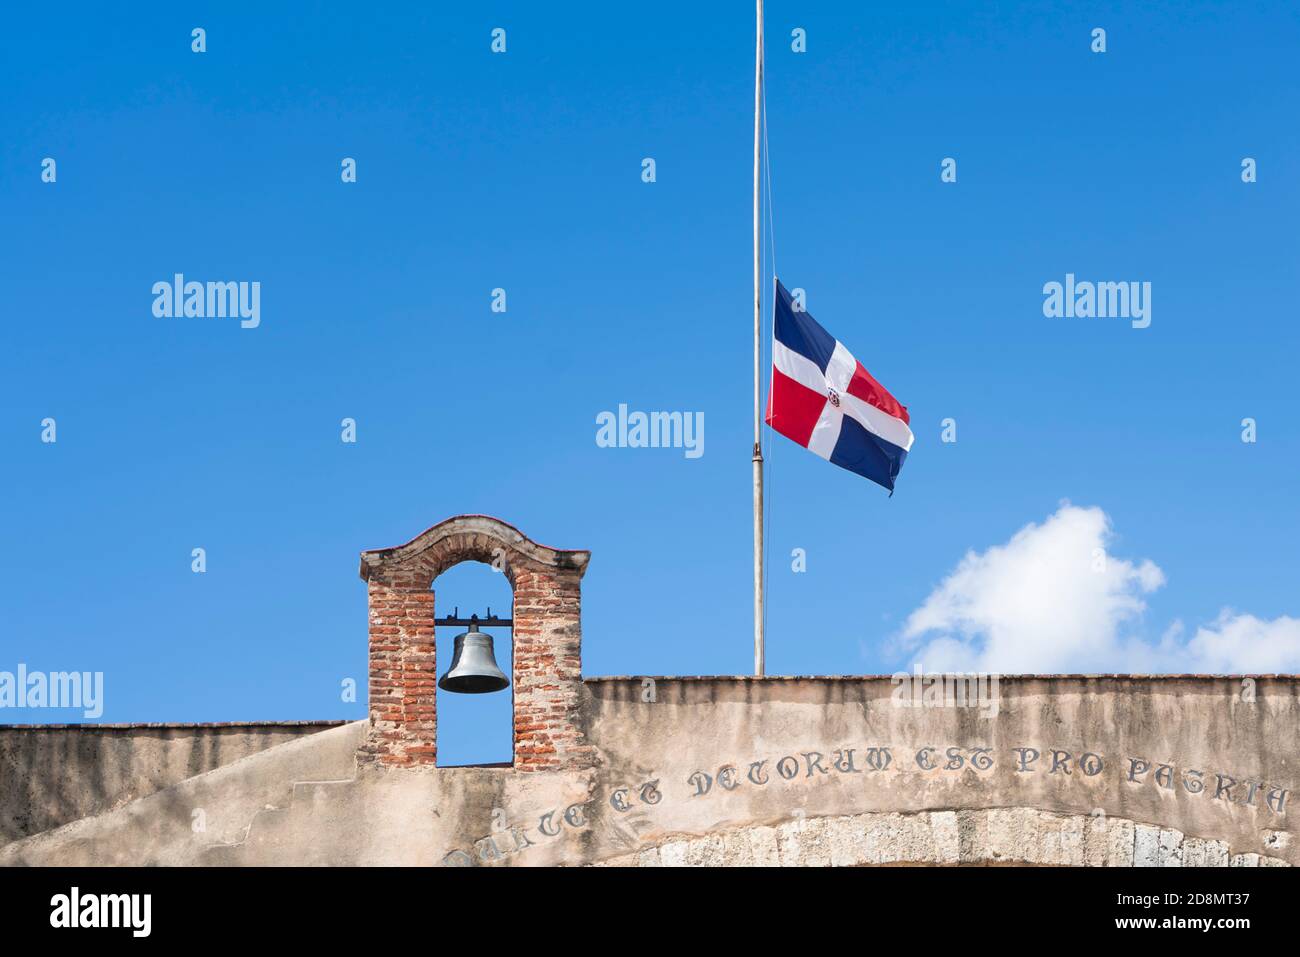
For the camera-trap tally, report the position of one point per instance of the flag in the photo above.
(823, 398)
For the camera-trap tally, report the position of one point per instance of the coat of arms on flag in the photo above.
(824, 399)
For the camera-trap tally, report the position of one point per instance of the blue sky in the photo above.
(522, 171)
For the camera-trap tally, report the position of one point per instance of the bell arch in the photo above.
(474, 729)
(546, 645)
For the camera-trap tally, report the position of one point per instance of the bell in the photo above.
(473, 666)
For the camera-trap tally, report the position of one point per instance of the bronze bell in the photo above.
(473, 665)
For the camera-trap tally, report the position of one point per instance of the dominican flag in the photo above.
(823, 398)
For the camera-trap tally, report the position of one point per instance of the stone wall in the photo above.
(997, 836)
(53, 774)
(1211, 758)
(1066, 770)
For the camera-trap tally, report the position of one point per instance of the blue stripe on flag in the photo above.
(867, 454)
(799, 332)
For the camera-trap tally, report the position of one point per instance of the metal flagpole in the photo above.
(758, 448)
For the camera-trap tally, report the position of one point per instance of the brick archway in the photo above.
(546, 643)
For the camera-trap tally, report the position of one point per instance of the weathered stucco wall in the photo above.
(1210, 758)
(53, 774)
(1128, 770)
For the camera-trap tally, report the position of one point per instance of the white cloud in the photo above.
(1053, 600)
(1244, 644)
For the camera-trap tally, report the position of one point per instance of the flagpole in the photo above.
(759, 650)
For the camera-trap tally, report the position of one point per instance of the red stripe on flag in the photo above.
(793, 409)
(866, 388)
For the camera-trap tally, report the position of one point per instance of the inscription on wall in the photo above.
(704, 784)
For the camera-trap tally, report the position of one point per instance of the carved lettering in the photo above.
(1221, 789)
(703, 783)
(878, 758)
(843, 761)
(1231, 791)
(1025, 759)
